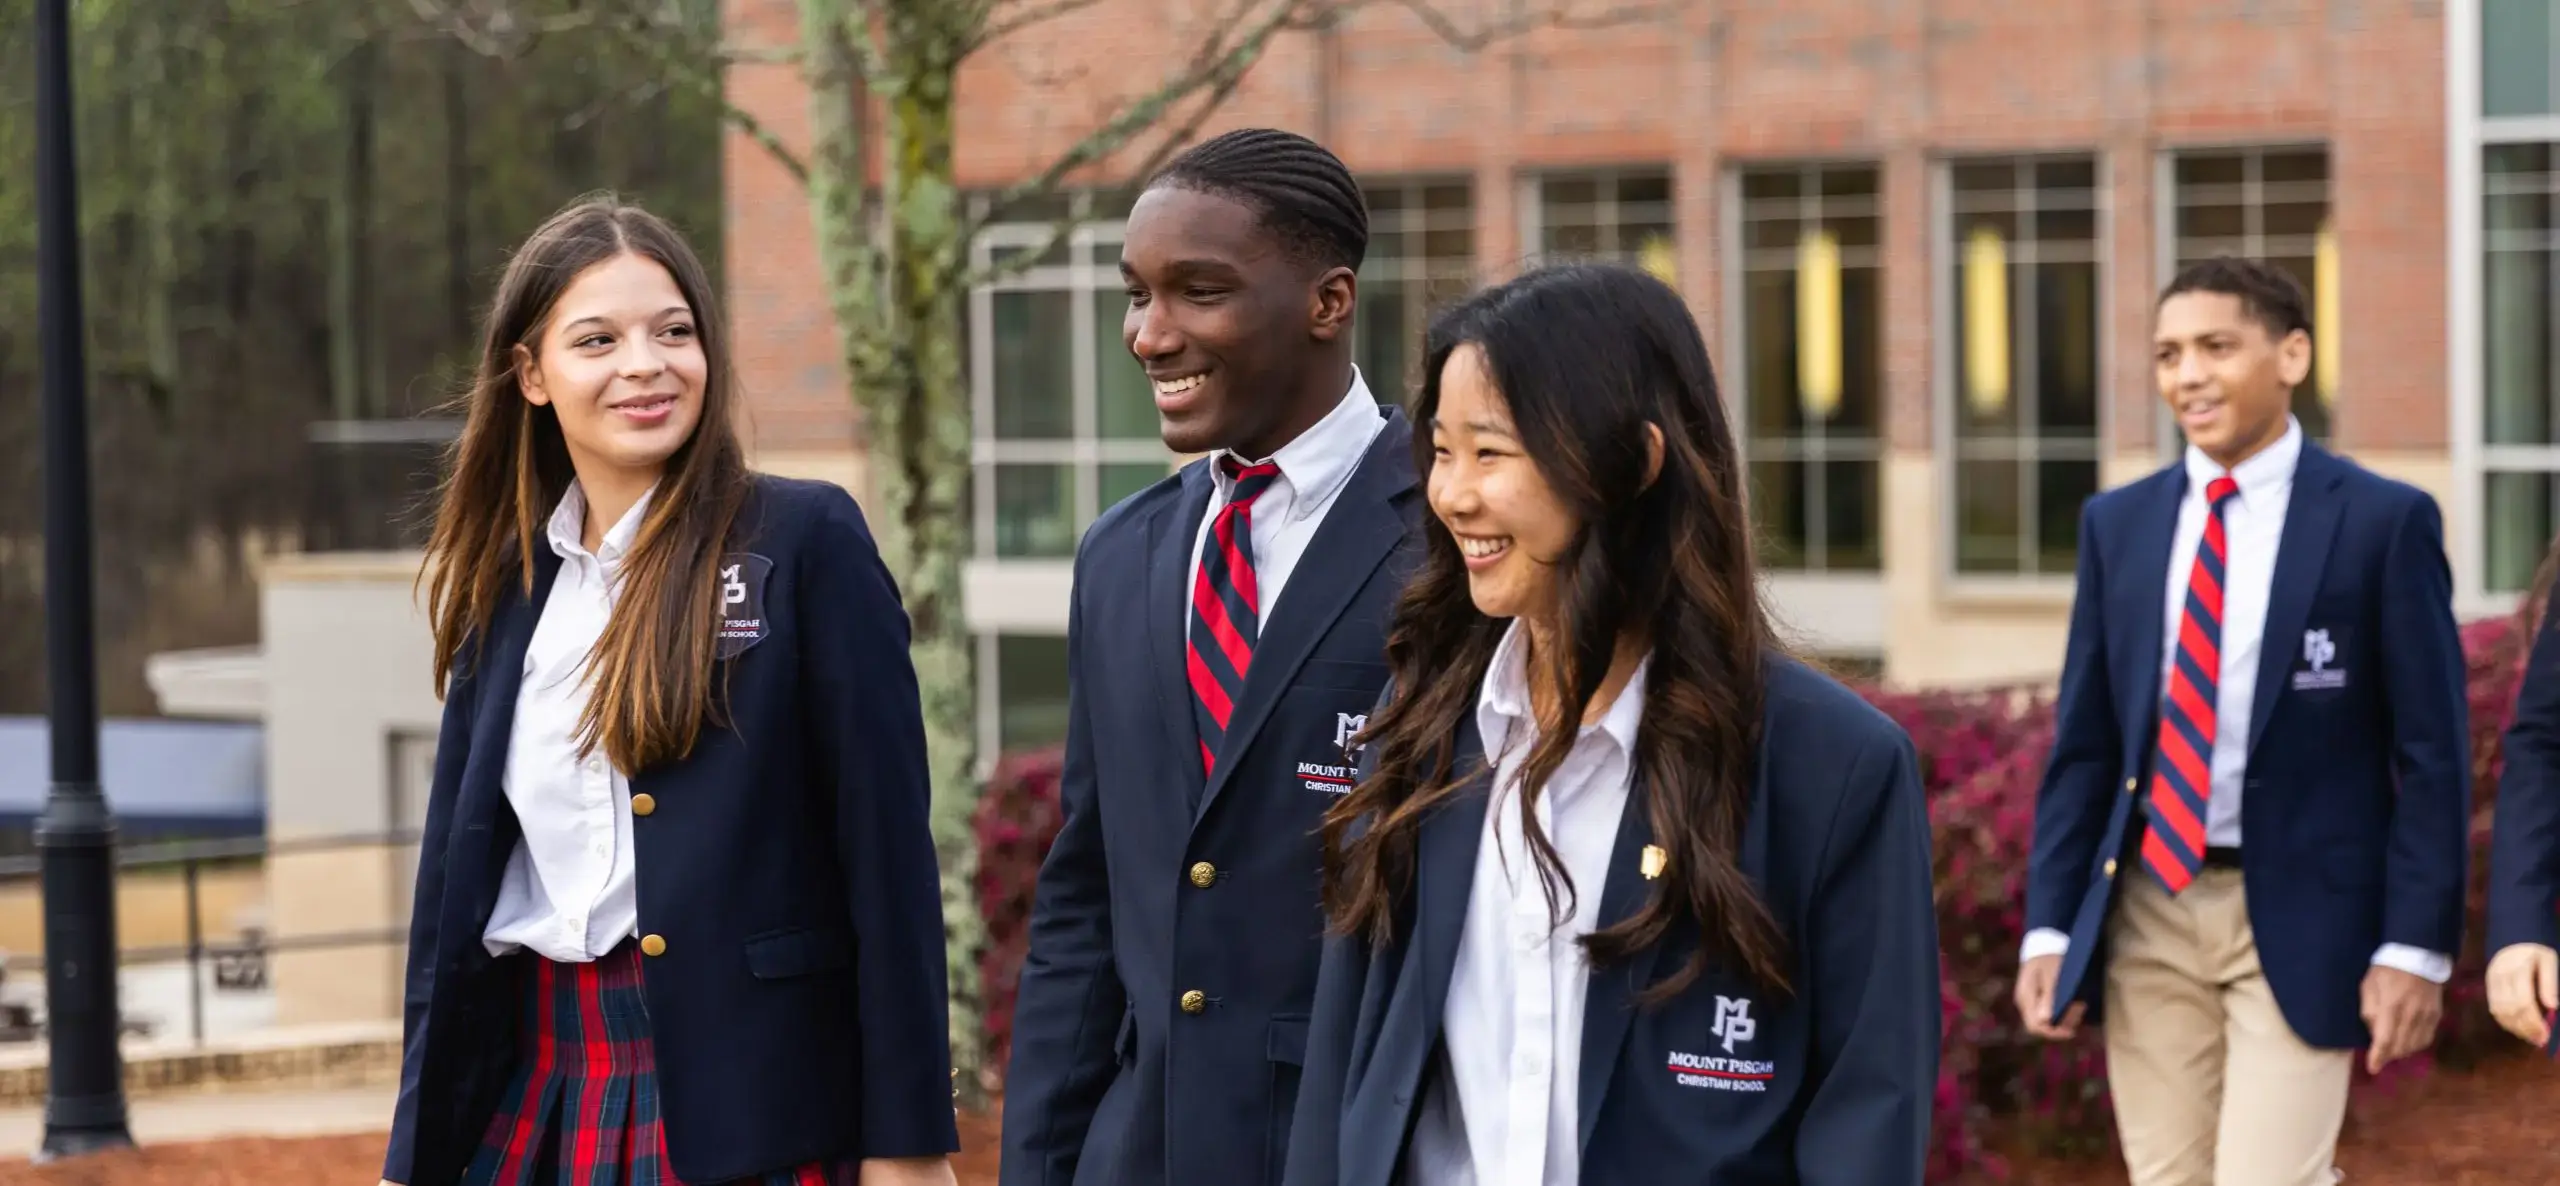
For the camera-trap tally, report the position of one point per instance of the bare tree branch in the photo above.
(1213, 73)
(497, 30)
(1563, 15)
(706, 77)
(1024, 15)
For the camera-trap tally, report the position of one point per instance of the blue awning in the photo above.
(158, 773)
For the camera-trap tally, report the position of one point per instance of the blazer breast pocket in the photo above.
(2324, 662)
(1716, 1045)
(742, 577)
(1316, 727)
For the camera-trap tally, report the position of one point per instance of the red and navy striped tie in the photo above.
(1226, 608)
(2182, 768)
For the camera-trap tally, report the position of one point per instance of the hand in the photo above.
(2524, 989)
(2403, 1011)
(2036, 978)
(907, 1171)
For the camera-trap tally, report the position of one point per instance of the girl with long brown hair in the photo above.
(1624, 893)
(677, 917)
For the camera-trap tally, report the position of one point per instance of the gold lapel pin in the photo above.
(1654, 860)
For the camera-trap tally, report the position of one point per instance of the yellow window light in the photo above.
(1986, 321)
(2324, 313)
(1818, 359)
(1659, 256)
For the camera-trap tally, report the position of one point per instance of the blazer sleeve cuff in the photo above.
(2510, 927)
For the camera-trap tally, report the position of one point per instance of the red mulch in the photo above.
(2485, 1127)
(2488, 1126)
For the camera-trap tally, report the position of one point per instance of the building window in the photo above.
(2520, 380)
(2519, 288)
(1422, 255)
(2268, 204)
(1809, 357)
(2519, 58)
(2021, 372)
(1065, 422)
(1620, 215)
(1030, 691)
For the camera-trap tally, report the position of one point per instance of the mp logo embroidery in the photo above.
(2319, 652)
(1733, 1022)
(1734, 1026)
(1345, 727)
(742, 618)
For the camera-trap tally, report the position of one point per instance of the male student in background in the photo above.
(2250, 841)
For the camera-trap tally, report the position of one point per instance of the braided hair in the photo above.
(1305, 194)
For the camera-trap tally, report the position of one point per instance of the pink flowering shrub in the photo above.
(1982, 755)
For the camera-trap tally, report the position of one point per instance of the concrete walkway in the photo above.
(179, 1118)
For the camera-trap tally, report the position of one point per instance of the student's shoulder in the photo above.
(1131, 513)
(2134, 497)
(784, 513)
(2391, 498)
(1823, 740)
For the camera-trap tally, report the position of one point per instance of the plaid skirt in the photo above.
(582, 1107)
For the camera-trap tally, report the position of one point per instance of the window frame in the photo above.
(1734, 369)
(2036, 587)
(1530, 203)
(2469, 134)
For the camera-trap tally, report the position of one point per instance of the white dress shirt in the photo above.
(567, 892)
(1313, 470)
(1501, 1106)
(2253, 530)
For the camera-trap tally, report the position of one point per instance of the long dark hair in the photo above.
(510, 467)
(1588, 357)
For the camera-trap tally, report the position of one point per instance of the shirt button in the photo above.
(595, 765)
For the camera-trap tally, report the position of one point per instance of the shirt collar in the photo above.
(569, 526)
(1323, 457)
(1503, 703)
(2267, 472)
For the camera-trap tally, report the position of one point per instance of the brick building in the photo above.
(1918, 475)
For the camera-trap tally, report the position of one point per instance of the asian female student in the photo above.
(1623, 893)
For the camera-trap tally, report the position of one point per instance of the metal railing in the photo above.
(242, 963)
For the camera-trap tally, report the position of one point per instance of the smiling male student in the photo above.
(2250, 841)
(1226, 640)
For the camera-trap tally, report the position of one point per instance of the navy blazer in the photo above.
(2357, 802)
(799, 1009)
(2524, 845)
(1832, 1085)
(1162, 884)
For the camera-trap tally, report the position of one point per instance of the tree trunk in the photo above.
(921, 457)
(350, 243)
(457, 190)
(900, 335)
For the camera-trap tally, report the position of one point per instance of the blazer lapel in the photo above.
(484, 830)
(2144, 590)
(2310, 519)
(1610, 1006)
(1362, 528)
(1169, 537)
(1445, 875)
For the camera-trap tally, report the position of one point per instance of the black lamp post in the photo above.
(84, 1091)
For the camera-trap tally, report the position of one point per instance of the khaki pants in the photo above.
(2211, 1087)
